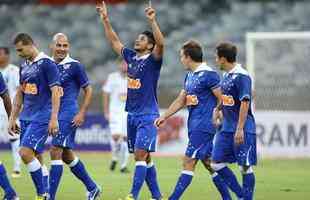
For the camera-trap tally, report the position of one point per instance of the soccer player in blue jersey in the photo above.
(38, 94)
(73, 77)
(201, 94)
(236, 142)
(9, 192)
(144, 64)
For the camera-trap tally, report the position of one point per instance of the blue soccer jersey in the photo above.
(143, 75)
(236, 87)
(73, 77)
(3, 88)
(200, 100)
(36, 79)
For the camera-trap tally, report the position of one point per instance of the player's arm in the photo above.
(109, 32)
(106, 102)
(80, 117)
(243, 113)
(216, 117)
(7, 103)
(176, 105)
(17, 106)
(159, 37)
(56, 91)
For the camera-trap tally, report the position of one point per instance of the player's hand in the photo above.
(217, 117)
(78, 119)
(102, 10)
(159, 122)
(239, 137)
(106, 116)
(53, 127)
(13, 128)
(150, 13)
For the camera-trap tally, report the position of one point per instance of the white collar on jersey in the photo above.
(142, 57)
(238, 69)
(67, 59)
(203, 67)
(40, 56)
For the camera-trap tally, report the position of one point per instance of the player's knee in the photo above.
(67, 156)
(26, 154)
(56, 153)
(246, 169)
(217, 166)
(141, 155)
(116, 137)
(189, 163)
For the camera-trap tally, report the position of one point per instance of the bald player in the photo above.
(73, 77)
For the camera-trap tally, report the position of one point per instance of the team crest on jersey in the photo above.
(191, 100)
(134, 83)
(228, 100)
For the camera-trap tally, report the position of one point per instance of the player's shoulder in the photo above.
(42, 58)
(205, 70)
(239, 70)
(70, 60)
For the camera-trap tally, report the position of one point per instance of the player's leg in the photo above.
(115, 149)
(124, 155)
(45, 172)
(16, 158)
(247, 157)
(33, 142)
(185, 178)
(151, 178)
(55, 171)
(223, 153)
(9, 192)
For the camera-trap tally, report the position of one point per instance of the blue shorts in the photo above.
(65, 137)
(199, 145)
(225, 150)
(23, 127)
(34, 136)
(141, 132)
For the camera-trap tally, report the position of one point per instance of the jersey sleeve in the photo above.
(244, 85)
(128, 54)
(81, 76)
(3, 87)
(51, 73)
(213, 80)
(157, 62)
(107, 87)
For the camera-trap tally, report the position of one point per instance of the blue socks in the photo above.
(184, 181)
(138, 179)
(34, 167)
(221, 186)
(151, 181)
(248, 180)
(78, 169)
(45, 178)
(230, 180)
(5, 183)
(55, 176)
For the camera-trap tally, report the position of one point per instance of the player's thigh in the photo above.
(223, 148)
(245, 153)
(199, 145)
(35, 136)
(66, 135)
(23, 127)
(131, 133)
(146, 133)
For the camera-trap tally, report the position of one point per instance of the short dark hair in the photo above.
(24, 38)
(6, 50)
(150, 36)
(227, 50)
(193, 49)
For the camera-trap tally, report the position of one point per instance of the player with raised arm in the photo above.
(73, 77)
(9, 192)
(114, 100)
(201, 94)
(39, 97)
(144, 64)
(10, 74)
(236, 142)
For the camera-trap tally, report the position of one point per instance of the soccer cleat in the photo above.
(125, 170)
(41, 198)
(129, 197)
(16, 174)
(94, 194)
(160, 199)
(6, 197)
(113, 165)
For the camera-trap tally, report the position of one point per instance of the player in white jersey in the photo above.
(114, 101)
(10, 75)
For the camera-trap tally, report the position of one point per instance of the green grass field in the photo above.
(276, 180)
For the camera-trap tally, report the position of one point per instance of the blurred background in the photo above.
(279, 64)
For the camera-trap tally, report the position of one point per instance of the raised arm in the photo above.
(159, 37)
(176, 105)
(109, 32)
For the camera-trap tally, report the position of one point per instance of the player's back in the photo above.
(72, 78)
(143, 75)
(200, 99)
(36, 79)
(11, 78)
(236, 87)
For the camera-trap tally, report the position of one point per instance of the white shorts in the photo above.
(4, 124)
(118, 124)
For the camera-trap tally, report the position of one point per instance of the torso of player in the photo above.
(143, 75)
(117, 88)
(200, 100)
(72, 78)
(36, 88)
(235, 86)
